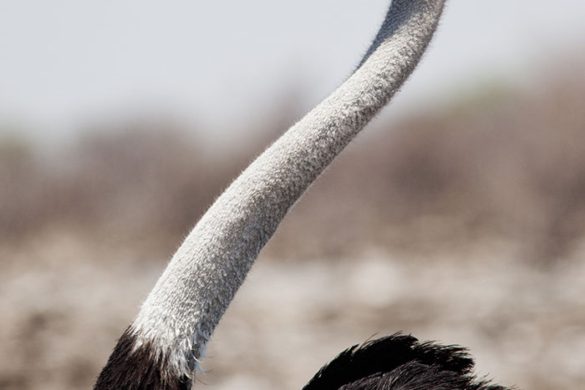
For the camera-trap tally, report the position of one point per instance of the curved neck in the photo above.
(181, 312)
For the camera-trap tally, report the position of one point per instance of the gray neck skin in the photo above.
(181, 312)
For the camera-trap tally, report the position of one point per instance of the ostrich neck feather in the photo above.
(179, 316)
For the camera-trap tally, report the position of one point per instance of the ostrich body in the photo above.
(162, 348)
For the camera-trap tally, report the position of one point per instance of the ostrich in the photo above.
(162, 348)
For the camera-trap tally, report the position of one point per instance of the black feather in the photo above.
(399, 362)
(131, 368)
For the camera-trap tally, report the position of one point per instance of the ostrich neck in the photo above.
(191, 296)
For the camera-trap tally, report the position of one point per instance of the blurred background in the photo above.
(459, 215)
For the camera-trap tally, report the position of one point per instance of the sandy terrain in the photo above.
(63, 303)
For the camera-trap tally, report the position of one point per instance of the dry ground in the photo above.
(525, 326)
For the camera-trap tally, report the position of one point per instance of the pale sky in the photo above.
(67, 63)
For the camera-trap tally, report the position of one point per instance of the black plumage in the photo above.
(135, 366)
(400, 362)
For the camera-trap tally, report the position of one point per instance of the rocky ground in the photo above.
(64, 301)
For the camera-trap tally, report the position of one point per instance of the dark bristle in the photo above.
(399, 362)
(131, 368)
(412, 376)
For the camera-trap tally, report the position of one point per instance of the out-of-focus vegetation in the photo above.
(506, 164)
(485, 189)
